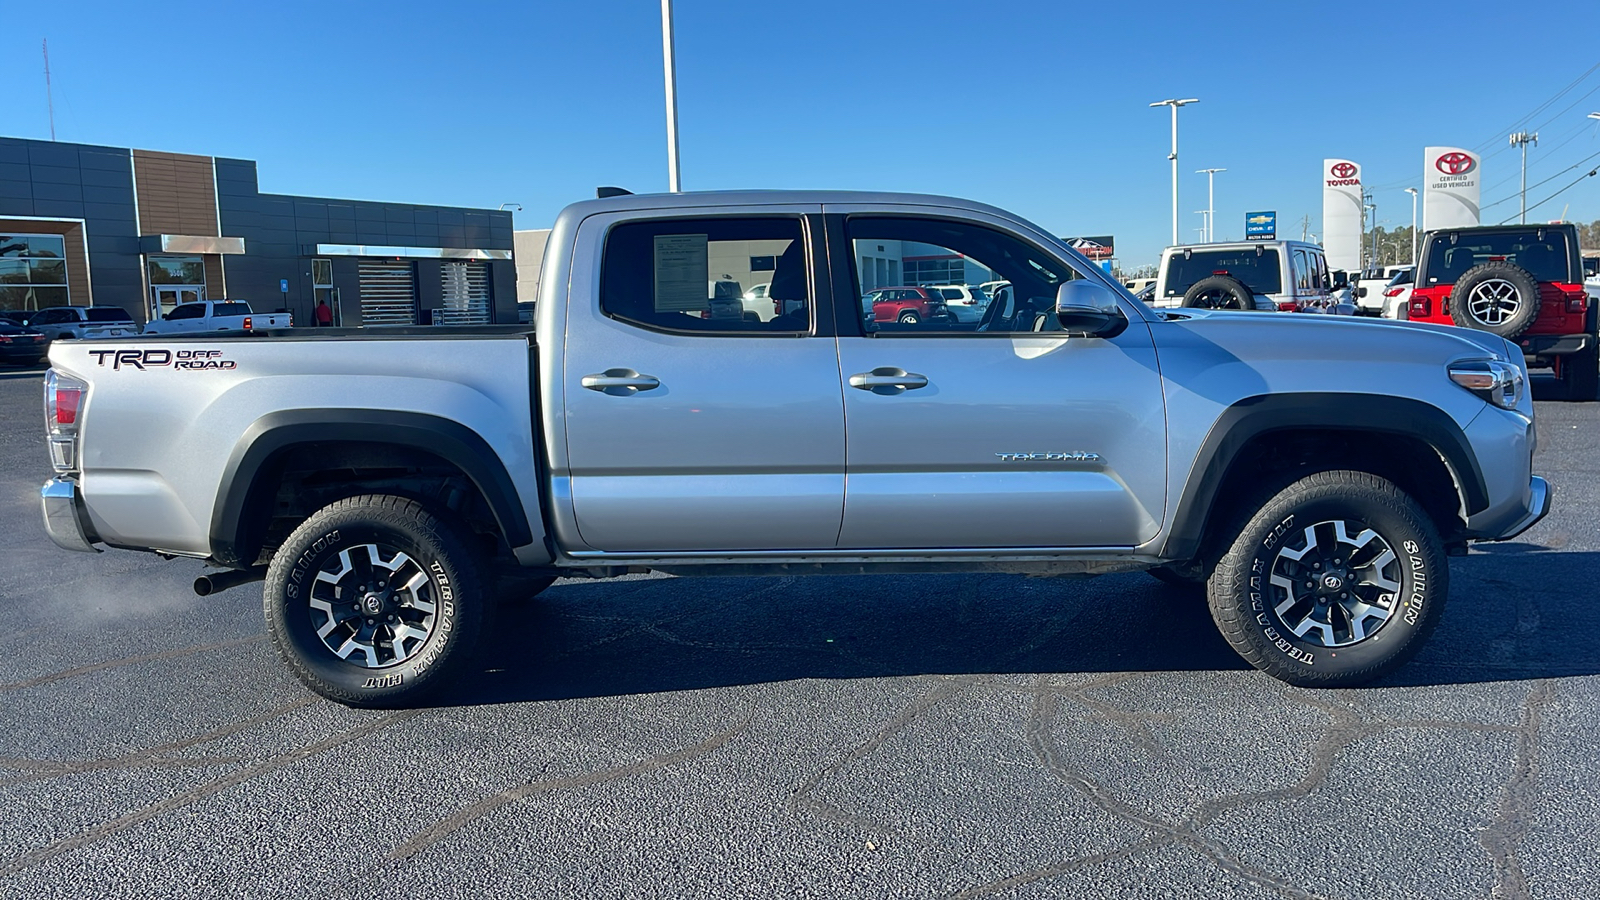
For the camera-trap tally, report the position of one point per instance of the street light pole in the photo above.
(1523, 139)
(671, 75)
(1211, 201)
(1372, 261)
(1413, 193)
(1173, 156)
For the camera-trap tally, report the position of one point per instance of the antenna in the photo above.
(49, 99)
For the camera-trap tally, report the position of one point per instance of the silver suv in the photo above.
(1284, 276)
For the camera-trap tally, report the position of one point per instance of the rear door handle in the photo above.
(620, 382)
(888, 380)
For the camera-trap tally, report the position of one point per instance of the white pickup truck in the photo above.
(216, 315)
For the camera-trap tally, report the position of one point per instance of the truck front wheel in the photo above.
(375, 601)
(1336, 580)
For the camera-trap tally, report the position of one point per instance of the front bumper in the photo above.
(64, 520)
(1537, 508)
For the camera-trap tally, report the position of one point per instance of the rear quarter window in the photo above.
(231, 309)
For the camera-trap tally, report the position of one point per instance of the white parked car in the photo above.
(216, 315)
(59, 323)
(1370, 286)
(966, 302)
(1397, 294)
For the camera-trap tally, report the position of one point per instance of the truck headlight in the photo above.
(1500, 383)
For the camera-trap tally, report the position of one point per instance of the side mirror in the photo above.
(1089, 308)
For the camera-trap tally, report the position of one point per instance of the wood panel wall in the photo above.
(176, 192)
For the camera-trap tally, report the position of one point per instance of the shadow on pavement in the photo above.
(590, 640)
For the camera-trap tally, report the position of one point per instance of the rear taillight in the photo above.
(1577, 301)
(248, 324)
(63, 408)
(1421, 306)
(1393, 292)
(1288, 306)
(777, 307)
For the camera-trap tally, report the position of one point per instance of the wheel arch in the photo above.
(250, 477)
(1416, 445)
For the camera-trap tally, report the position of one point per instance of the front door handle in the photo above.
(888, 380)
(620, 382)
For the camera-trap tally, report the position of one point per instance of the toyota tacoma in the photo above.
(391, 485)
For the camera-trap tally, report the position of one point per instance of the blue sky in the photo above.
(1039, 107)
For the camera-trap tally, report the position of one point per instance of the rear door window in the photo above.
(231, 309)
(109, 314)
(684, 275)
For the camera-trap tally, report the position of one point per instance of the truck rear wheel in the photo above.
(1580, 373)
(375, 601)
(1336, 580)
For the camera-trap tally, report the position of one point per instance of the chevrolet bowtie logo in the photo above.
(1073, 456)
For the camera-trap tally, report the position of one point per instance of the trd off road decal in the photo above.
(185, 360)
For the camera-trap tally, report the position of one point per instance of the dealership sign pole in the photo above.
(671, 75)
(1450, 188)
(1341, 214)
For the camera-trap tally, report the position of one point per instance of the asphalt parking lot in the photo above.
(908, 736)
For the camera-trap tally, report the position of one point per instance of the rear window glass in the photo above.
(687, 275)
(1451, 254)
(1403, 276)
(109, 314)
(231, 309)
(1260, 274)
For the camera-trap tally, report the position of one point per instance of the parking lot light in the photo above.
(1173, 156)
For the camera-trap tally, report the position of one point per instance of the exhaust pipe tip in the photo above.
(216, 582)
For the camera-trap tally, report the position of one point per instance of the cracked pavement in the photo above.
(890, 736)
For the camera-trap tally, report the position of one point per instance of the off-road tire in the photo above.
(1235, 294)
(1245, 601)
(909, 317)
(1517, 321)
(453, 584)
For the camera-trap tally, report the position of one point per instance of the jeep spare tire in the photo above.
(1498, 297)
(1219, 292)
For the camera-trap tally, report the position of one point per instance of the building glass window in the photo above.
(33, 271)
(946, 270)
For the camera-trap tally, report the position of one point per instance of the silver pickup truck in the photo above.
(1313, 473)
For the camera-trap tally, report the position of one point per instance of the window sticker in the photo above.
(680, 272)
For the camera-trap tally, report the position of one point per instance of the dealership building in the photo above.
(86, 225)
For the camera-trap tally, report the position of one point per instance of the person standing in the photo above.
(324, 314)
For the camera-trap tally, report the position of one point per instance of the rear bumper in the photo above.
(64, 520)
(1554, 344)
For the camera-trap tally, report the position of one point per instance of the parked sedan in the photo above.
(20, 344)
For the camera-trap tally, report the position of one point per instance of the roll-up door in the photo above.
(466, 294)
(388, 293)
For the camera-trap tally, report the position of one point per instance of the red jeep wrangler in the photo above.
(1522, 282)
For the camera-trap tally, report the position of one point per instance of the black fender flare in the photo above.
(449, 440)
(1262, 414)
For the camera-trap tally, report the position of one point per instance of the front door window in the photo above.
(971, 419)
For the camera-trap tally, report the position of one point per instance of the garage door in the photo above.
(388, 293)
(466, 294)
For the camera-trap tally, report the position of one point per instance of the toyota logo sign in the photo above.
(1454, 163)
(1342, 170)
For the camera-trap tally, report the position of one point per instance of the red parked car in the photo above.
(906, 305)
(1522, 282)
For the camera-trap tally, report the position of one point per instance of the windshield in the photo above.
(1260, 273)
(1452, 253)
